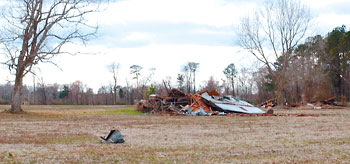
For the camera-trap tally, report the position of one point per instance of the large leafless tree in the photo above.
(114, 69)
(34, 31)
(190, 70)
(272, 33)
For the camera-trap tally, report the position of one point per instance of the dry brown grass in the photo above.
(70, 134)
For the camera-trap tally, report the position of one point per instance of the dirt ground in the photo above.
(70, 134)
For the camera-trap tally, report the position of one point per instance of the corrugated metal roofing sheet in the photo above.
(232, 104)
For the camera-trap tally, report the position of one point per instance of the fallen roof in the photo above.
(232, 104)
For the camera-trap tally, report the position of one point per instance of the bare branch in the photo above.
(37, 30)
(279, 26)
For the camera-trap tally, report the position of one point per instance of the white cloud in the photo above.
(2, 3)
(319, 4)
(328, 21)
(167, 59)
(212, 18)
(138, 36)
(208, 12)
(213, 32)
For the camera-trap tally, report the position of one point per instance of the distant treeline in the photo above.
(319, 69)
(74, 94)
(78, 93)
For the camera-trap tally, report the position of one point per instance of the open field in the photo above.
(70, 134)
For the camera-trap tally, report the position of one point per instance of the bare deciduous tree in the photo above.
(187, 78)
(212, 84)
(272, 33)
(114, 69)
(36, 30)
(190, 70)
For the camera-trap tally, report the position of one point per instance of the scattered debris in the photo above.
(277, 114)
(204, 103)
(289, 104)
(331, 101)
(269, 103)
(207, 103)
(114, 136)
(313, 106)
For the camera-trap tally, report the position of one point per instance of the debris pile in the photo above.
(269, 103)
(202, 103)
(329, 103)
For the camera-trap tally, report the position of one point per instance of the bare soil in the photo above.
(70, 134)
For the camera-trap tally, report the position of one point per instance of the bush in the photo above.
(151, 90)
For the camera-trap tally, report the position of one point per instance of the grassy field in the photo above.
(70, 134)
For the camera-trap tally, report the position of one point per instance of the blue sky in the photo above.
(165, 34)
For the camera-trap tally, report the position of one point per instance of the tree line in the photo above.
(34, 31)
(141, 87)
(320, 69)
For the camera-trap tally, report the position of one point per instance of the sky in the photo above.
(165, 35)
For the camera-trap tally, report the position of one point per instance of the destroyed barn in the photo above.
(203, 103)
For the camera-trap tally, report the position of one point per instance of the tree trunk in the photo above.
(280, 96)
(194, 82)
(281, 88)
(16, 106)
(233, 88)
(44, 95)
(115, 94)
